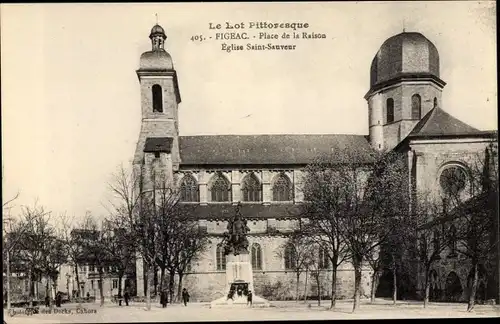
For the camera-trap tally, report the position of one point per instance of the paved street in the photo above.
(279, 311)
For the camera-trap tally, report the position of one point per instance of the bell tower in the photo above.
(157, 151)
(158, 142)
(404, 87)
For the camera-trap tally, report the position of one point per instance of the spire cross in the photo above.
(156, 15)
(404, 29)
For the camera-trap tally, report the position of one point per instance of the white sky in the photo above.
(70, 95)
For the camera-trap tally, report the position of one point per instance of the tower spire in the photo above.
(157, 36)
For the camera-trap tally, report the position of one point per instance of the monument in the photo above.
(239, 274)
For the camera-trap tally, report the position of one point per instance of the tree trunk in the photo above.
(375, 279)
(171, 284)
(427, 287)
(155, 280)
(48, 292)
(120, 278)
(305, 287)
(297, 288)
(394, 285)
(54, 285)
(334, 285)
(162, 278)
(101, 292)
(148, 285)
(145, 278)
(32, 287)
(77, 278)
(472, 295)
(8, 281)
(179, 284)
(357, 283)
(318, 283)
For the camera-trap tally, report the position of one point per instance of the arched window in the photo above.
(453, 240)
(282, 188)
(256, 257)
(435, 102)
(189, 188)
(220, 258)
(157, 99)
(220, 189)
(251, 188)
(390, 110)
(324, 261)
(453, 180)
(416, 105)
(290, 257)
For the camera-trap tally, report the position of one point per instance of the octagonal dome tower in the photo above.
(404, 86)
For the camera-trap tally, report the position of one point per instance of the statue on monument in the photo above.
(235, 238)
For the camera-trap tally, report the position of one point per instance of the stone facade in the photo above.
(451, 270)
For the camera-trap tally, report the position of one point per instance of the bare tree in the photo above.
(36, 244)
(13, 232)
(317, 265)
(298, 253)
(132, 205)
(179, 240)
(72, 245)
(430, 236)
(97, 238)
(54, 259)
(322, 210)
(474, 217)
(194, 243)
(7, 204)
(120, 248)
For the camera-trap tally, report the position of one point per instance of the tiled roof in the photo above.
(438, 122)
(248, 211)
(158, 144)
(267, 149)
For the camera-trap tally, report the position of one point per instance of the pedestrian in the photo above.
(126, 296)
(164, 298)
(249, 298)
(58, 299)
(47, 301)
(185, 296)
(88, 296)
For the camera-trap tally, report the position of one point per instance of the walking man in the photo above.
(249, 298)
(185, 296)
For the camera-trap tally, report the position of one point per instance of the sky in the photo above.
(71, 102)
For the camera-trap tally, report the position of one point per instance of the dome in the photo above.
(157, 29)
(404, 54)
(156, 60)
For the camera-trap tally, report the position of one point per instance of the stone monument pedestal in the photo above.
(239, 274)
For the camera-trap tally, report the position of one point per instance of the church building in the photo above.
(264, 172)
